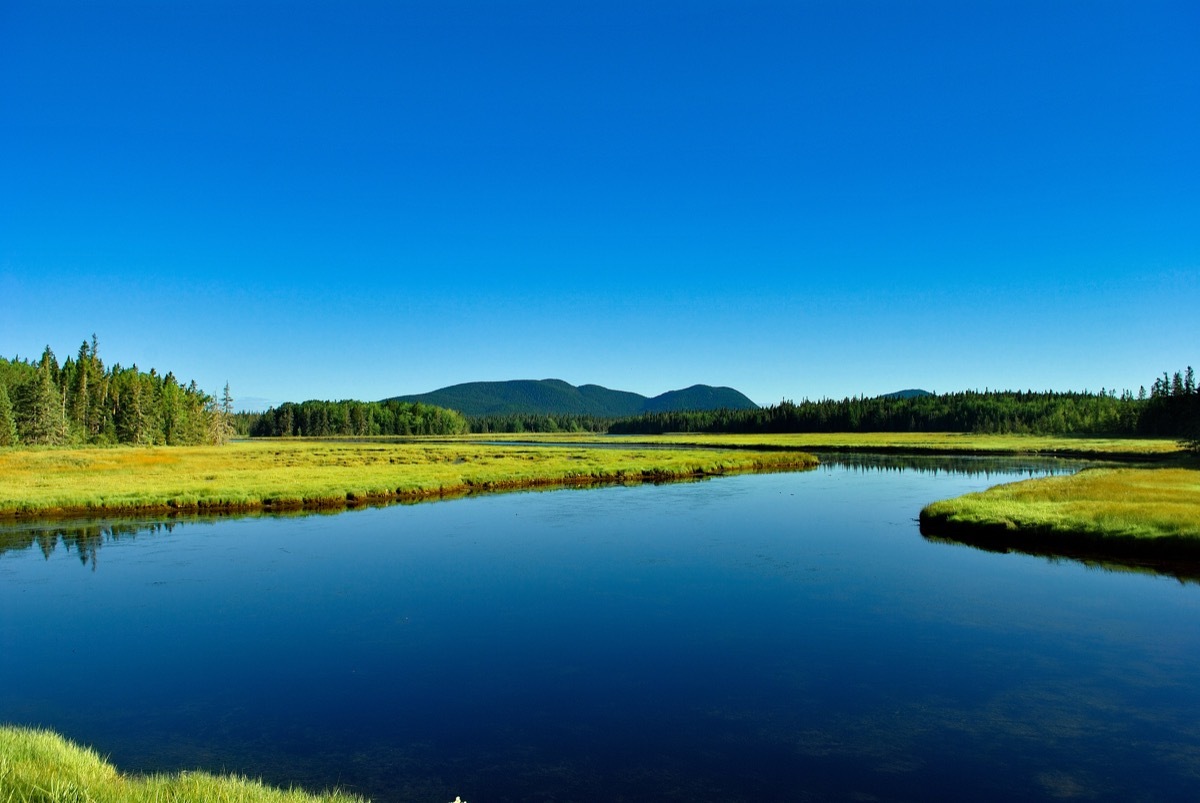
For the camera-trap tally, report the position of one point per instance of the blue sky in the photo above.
(796, 199)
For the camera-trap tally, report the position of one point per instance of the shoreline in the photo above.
(353, 500)
(1147, 514)
(316, 476)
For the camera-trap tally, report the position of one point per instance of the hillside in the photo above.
(556, 397)
(911, 393)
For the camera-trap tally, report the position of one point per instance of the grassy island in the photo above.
(293, 473)
(38, 766)
(1151, 513)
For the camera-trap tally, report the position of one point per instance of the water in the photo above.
(766, 637)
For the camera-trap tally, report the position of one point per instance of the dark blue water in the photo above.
(768, 637)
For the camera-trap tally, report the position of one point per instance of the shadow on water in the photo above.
(1183, 570)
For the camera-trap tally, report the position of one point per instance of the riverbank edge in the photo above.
(1102, 533)
(283, 503)
(1088, 545)
(41, 765)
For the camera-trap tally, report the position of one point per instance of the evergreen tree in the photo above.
(45, 419)
(80, 401)
(8, 424)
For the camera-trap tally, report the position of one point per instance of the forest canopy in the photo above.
(1171, 409)
(83, 402)
(355, 418)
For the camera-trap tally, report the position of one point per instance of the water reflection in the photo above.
(82, 538)
(1182, 570)
(1004, 468)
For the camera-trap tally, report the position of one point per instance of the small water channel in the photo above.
(756, 637)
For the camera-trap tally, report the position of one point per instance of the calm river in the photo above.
(765, 637)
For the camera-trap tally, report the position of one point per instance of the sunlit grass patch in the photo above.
(38, 766)
(1131, 509)
(299, 473)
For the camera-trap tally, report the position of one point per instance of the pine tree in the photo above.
(8, 424)
(46, 420)
(81, 389)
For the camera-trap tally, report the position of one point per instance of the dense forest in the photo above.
(83, 402)
(1171, 409)
(539, 422)
(356, 418)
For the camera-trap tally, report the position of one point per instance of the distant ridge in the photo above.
(556, 397)
(911, 393)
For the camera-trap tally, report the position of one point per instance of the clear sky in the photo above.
(800, 199)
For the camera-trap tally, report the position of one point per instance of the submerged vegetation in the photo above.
(38, 766)
(292, 473)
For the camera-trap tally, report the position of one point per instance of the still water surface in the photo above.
(766, 637)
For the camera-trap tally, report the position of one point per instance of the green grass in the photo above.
(38, 766)
(283, 474)
(1153, 512)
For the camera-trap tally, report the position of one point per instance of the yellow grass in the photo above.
(299, 473)
(38, 766)
(1101, 503)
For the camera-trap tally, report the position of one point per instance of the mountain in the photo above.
(556, 397)
(911, 393)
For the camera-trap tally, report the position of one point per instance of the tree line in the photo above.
(83, 402)
(353, 418)
(539, 422)
(1171, 409)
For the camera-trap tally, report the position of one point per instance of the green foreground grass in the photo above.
(289, 474)
(1131, 512)
(38, 766)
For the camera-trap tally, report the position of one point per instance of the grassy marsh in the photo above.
(1151, 512)
(38, 766)
(282, 474)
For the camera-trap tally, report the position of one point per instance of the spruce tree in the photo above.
(81, 390)
(8, 424)
(46, 419)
